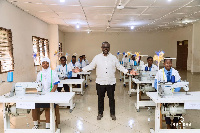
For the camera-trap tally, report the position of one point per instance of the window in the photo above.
(6, 51)
(40, 49)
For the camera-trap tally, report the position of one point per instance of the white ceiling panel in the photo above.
(140, 3)
(98, 2)
(97, 15)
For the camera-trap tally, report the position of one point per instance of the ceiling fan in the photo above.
(122, 6)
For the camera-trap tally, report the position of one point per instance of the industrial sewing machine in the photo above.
(168, 88)
(20, 89)
(172, 109)
(61, 75)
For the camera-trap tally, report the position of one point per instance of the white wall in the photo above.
(196, 48)
(146, 43)
(181, 34)
(23, 27)
(62, 40)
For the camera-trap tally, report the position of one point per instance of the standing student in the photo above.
(150, 65)
(105, 64)
(67, 72)
(50, 80)
(165, 75)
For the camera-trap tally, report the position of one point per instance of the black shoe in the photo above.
(99, 116)
(113, 117)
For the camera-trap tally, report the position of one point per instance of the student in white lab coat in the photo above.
(140, 62)
(125, 60)
(86, 61)
(50, 80)
(165, 74)
(81, 62)
(150, 65)
(73, 65)
(67, 72)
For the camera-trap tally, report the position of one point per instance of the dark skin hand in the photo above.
(168, 64)
(150, 62)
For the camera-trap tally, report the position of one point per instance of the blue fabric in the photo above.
(155, 84)
(179, 88)
(56, 83)
(69, 74)
(169, 77)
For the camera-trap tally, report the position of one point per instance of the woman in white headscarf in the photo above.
(50, 80)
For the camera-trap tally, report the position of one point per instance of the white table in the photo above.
(178, 97)
(130, 90)
(142, 103)
(86, 76)
(53, 97)
(73, 81)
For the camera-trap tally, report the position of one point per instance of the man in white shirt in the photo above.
(105, 64)
(150, 65)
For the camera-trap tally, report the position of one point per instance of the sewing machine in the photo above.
(26, 94)
(173, 109)
(22, 88)
(61, 75)
(165, 89)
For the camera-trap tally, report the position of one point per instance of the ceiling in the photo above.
(104, 16)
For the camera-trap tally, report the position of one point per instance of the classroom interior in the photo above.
(80, 26)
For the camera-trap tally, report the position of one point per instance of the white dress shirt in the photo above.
(105, 68)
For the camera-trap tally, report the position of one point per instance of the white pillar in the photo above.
(53, 44)
(195, 66)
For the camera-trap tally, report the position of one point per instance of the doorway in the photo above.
(182, 55)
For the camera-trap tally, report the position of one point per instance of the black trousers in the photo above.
(175, 120)
(66, 88)
(101, 90)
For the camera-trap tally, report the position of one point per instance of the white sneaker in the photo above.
(36, 127)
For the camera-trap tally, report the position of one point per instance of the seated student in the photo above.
(140, 62)
(133, 62)
(165, 75)
(66, 70)
(49, 79)
(81, 62)
(150, 65)
(86, 61)
(73, 64)
(125, 60)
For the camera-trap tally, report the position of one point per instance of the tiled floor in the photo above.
(83, 118)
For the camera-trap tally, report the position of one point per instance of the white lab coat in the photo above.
(154, 67)
(62, 69)
(46, 79)
(161, 78)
